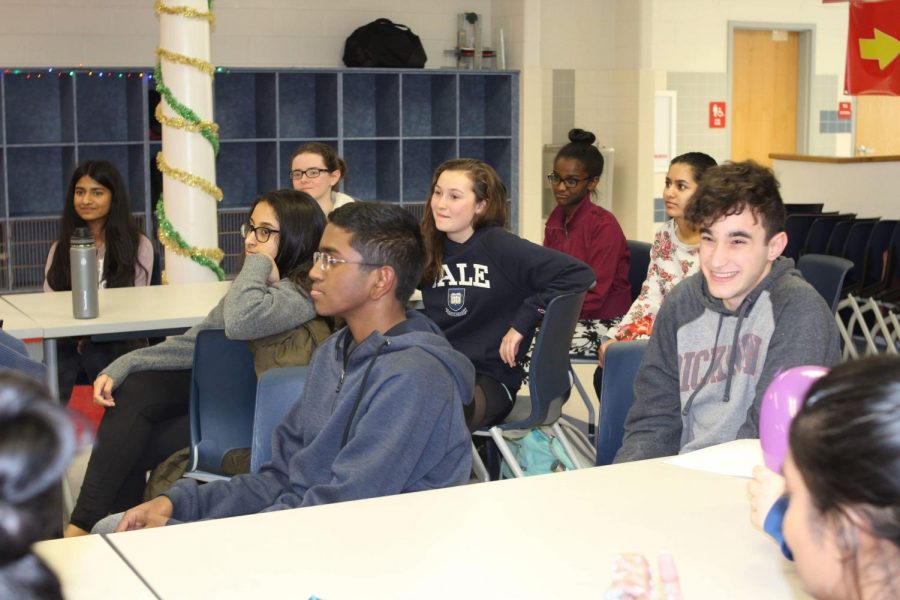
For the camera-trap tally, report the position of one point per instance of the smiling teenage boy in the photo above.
(723, 334)
(382, 409)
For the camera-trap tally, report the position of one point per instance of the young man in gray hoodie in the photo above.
(382, 409)
(722, 334)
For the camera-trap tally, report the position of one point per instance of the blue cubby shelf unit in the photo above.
(392, 126)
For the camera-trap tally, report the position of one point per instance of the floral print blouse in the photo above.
(671, 261)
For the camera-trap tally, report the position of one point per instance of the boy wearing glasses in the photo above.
(382, 410)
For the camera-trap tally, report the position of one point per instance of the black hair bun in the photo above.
(580, 136)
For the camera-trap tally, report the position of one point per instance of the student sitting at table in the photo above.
(723, 333)
(381, 413)
(36, 443)
(485, 287)
(146, 392)
(97, 198)
(591, 234)
(842, 477)
(674, 256)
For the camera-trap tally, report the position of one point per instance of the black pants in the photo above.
(148, 423)
(84, 366)
(490, 405)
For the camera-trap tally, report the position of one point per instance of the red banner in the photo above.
(717, 115)
(873, 48)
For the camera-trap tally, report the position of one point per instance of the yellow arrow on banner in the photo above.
(883, 47)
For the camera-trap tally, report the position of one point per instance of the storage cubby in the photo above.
(38, 192)
(371, 105)
(110, 108)
(245, 105)
(39, 110)
(393, 128)
(484, 105)
(375, 171)
(420, 159)
(244, 170)
(429, 105)
(495, 152)
(307, 105)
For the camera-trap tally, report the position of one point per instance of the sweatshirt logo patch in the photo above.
(456, 302)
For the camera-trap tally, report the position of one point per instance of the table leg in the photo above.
(52, 367)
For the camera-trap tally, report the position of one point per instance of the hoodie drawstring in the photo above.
(712, 363)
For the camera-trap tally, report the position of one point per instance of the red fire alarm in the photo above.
(716, 115)
(844, 110)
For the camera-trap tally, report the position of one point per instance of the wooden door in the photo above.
(763, 93)
(877, 125)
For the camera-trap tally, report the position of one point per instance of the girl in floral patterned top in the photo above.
(674, 254)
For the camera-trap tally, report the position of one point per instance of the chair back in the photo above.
(637, 269)
(620, 367)
(14, 355)
(276, 392)
(838, 238)
(549, 383)
(884, 233)
(855, 249)
(223, 395)
(797, 227)
(794, 208)
(826, 274)
(820, 233)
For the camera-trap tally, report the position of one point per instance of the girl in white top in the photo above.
(675, 252)
(317, 169)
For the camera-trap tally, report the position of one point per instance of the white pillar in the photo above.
(190, 209)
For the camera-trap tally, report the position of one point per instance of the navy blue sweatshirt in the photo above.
(494, 281)
(401, 393)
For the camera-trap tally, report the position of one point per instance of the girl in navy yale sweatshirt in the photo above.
(485, 287)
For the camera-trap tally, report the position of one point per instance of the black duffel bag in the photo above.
(383, 43)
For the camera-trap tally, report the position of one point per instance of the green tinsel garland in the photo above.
(206, 130)
(167, 232)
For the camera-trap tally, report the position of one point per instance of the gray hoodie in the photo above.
(706, 367)
(374, 419)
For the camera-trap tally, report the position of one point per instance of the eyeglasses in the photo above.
(570, 182)
(262, 234)
(310, 173)
(326, 261)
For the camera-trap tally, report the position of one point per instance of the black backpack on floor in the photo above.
(383, 43)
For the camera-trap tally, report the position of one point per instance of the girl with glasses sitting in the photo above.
(146, 392)
(317, 169)
(591, 234)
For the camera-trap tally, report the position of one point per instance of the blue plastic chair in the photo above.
(637, 268)
(826, 274)
(14, 355)
(277, 391)
(792, 209)
(797, 227)
(838, 237)
(620, 368)
(222, 403)
(820, 233)
(855, 249)
(885, 234)
(549, 383)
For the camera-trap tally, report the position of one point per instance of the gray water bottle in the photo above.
(83, 264)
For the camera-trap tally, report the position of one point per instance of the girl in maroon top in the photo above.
(591, 234)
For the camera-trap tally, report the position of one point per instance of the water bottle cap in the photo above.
(82, 237)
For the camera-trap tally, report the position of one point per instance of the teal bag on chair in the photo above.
(538, 453)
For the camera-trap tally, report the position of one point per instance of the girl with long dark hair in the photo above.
(97, 198)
